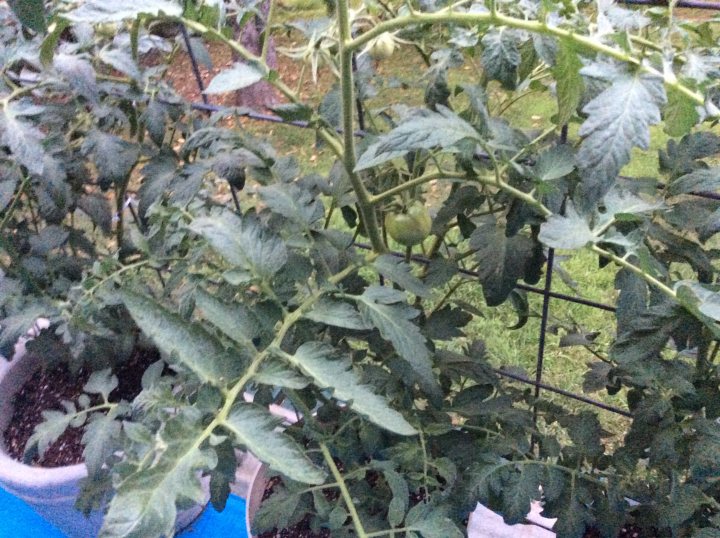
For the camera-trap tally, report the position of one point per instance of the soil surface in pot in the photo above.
(47, 390)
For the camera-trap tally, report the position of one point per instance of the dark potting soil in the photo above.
(48, 388)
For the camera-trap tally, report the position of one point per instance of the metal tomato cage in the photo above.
(545, 291)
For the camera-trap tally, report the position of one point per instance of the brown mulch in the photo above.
(48, 389)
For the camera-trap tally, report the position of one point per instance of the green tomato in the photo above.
(411, 227)
(382, 47)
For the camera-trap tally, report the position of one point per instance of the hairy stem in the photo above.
(357, 523)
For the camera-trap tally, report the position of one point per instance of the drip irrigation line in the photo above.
(193, 61)
(244, 112)
(525, 287)
(543, 326)
(563, 392)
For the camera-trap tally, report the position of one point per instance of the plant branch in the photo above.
(374, 200)
(637, 270)
(357, 523)
(493, 17)
(347, 85)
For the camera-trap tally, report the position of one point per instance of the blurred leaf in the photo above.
(425, 131)
(316, 361)
(145, 502)
(618, 119)
(255, 429)
(396, 270)
(186, 342)
(501, 56)
(239, 76)
(100, 11)
(680, 114)
(337, 314)
(388, 311)
(31, 13)
(23, 139)
(569, 83)
(242, 242)
(102, 382)
(101, 440)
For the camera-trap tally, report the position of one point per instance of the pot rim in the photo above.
(17, 471)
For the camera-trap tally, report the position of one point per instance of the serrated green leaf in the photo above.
(102, 382)
(400, 497)
(276, 374)
(585, 432)
(234, 320)
(399, 272)
(316, 361)
(242, 242)
(97, 207)
(239, 76)
(519, 491)
(145, 502)
(683, 502)
(432, 523)
(223, 474)
(121, 61)
(293, 111)
(293, 202)
(114, 157)
(569, 82)
(569, 231)
(100, 11)
(31, 13)
(337, 314)
(706, 179)
(503, 260)
(100, 440)
(187, 342)
(446, 323)
(618, 119)
(280, 510)
(49, 430)
(555, 163)
(501, 56)
(16, 325)
(255, 428)
(680, 113)
(388, 311)
(23, 139)
(428, 130)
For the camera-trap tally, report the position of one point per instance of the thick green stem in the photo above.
(446, 16)
(357, 523)
(374, 200)
(266, 31)
(622, 262)
(347, 85)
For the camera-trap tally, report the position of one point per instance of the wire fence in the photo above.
(546, 291)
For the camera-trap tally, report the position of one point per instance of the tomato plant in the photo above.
(112, 226)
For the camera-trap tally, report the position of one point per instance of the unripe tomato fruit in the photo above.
(411, 227)
(383, 46)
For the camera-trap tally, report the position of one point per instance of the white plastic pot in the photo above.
(483, 522)
(51, 492)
